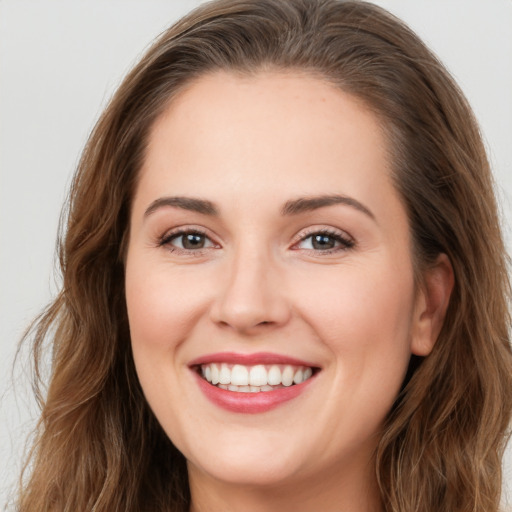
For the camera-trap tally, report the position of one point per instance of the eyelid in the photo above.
(346, 240)
(171, 234)
(343, 237)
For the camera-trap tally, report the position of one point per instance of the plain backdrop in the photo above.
(60, 61)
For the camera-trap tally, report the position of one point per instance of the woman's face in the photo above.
(268, 245)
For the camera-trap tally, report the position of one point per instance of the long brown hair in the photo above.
(98, 446)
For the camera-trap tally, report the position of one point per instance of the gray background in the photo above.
(60, 60)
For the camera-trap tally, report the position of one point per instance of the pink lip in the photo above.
(249, 359)
(249, 403)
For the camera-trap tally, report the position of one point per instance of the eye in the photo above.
(325, 241)
(187, 241)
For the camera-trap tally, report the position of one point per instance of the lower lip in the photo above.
(250, 403)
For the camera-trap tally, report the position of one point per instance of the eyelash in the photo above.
(345, 242)
(165, 241)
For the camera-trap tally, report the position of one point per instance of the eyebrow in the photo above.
(306, 204)
(292, 207)
(185, 203)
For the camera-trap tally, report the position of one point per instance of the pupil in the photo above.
(323, 242)
(193, 241)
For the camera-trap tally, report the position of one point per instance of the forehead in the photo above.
(223, 120)
(273, 135)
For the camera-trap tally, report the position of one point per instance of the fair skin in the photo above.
(249, 269)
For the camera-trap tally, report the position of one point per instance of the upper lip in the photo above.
(250, 359)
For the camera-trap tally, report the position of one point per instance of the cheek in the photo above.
(163, 309)
(364, 319)
(357, 299)
(161, 305)
(363, 314)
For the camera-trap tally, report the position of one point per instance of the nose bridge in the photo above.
(251, 295)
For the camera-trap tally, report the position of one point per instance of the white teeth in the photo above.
(287, 378)
(274, 376)
(248, 389)
(239, 375)
(258, 376)
(215, 374)
(224, 374)
(253, 379)
(298, 377)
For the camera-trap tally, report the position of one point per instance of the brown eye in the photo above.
(322, 242)
(325, 241)
(193, 241)
(187, 241)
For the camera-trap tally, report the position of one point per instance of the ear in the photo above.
(431, 305)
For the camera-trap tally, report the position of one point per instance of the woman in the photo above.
(284, 279)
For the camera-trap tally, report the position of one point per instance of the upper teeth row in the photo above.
(259, 375)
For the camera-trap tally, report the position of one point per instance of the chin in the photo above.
(250, 463)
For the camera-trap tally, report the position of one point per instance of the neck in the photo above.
(354, 491)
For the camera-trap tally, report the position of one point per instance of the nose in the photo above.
(252, 297)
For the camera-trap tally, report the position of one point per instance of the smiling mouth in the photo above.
(256, 378)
